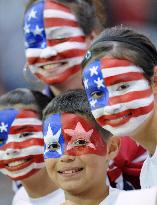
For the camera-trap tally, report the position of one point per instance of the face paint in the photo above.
(71, 134)
(123, 100)
(22, 152)
(55, 44)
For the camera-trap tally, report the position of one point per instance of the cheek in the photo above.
(50, 166)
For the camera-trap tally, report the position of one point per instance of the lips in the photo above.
(53, 66)
(119, 121)
(18, 164)
(115, 120)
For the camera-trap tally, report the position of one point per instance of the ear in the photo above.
(154, 81)
(90, 37)
(113, 147)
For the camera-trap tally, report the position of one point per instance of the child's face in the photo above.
(55, 44)
(120, 97)
(21, 143)
(74, 149)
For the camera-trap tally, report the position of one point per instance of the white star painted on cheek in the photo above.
(32, 14)
(79, 133)
(51, 138)
(3, 127)
(38, 31)
(99, 82)
(86, 83)
(26, 28)
(93, 71)
(93, 102)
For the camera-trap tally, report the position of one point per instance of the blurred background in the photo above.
(140, 14)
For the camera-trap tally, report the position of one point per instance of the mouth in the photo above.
(54, 67)
(18, 164)
(70, 172)
(119, 120)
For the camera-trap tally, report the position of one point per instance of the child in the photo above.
(77, 151)
(57, 34)
(21, 147)
(120, 81)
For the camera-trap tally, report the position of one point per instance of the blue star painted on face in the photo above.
(34, 30)
(94, 84)
(7, 117)
(53, 137)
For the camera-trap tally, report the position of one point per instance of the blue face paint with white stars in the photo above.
(34, 31)
(53, 137)
(7, 117)
(94, 84)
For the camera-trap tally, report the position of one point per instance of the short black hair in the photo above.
(73, 101)
(124, 42)
(24, 97)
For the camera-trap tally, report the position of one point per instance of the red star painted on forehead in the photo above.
(79, 133)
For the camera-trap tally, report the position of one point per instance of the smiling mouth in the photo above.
(70, 171)
(18, 164)
(119, 120)
(53, 66)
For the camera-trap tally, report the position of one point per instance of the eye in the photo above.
(26, 134)
(80, 142)
(54, 146)
(122, 87)
(1, 142)
(97, 94)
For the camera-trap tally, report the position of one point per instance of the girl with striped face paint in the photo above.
(22, 146)
(76, 148)
(56, 39)
(21, 153)
(120, 81)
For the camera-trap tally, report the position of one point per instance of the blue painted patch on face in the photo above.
(7, 117)
(53, 137)
(94, 84)
(34, 30)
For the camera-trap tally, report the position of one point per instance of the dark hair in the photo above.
(24, 97)
(84, 11)
(73, 101)
(124, 43)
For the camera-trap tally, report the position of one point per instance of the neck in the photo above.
(89, 197)
(39, 184)
(147, 134)
(73, 82)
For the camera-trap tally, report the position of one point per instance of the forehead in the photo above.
(43, 12)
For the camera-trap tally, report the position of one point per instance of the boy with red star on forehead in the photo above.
(76, 148)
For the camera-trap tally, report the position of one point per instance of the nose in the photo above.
(12, 152)
(48, 52)
(67, 158)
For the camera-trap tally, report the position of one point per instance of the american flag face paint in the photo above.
(120, 97)
(22, 145)
(71, 134)
(55, 44)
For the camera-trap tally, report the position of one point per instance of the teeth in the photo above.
(50, 66)
(16, 163)
(120, 118)
(71, 171)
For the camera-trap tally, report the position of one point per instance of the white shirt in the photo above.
(148, 176)
(112, 197)
(22, 198)
(138, 197)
